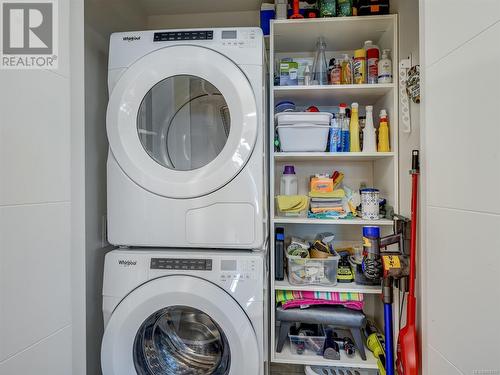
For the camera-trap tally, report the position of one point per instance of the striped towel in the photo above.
(291, 299)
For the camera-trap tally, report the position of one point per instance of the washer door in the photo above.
(182, 121)
(179, 325)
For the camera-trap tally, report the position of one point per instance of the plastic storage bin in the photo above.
(308, 345)
(303, 131)
(312, 271)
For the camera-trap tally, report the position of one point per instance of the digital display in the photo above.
(229, 34)
(228, 265)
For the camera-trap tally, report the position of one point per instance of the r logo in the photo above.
(29, 30)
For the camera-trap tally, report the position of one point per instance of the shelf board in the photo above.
(340, 33)
(339, 156)
(286, 356)
(306, 220)
(341, 288)
(330, 95)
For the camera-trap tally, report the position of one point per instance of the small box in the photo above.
(289, 73)
(303, 62)
(321, 184)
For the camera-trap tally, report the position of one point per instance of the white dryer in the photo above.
(183, 312)
(186, 130)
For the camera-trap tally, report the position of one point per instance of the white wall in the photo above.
(220, 19)
(99, 23)
(461, 173)
(36, 269)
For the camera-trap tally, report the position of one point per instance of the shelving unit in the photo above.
(297, 38)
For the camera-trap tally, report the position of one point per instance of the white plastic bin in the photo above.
(303, 131)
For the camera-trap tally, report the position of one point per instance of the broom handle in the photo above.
(414, 205)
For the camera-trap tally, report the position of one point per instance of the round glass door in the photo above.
(183, 122)
(181, 340)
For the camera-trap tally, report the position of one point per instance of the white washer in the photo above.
(178, 311)
(186, 129)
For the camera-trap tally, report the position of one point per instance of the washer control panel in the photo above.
(165, 36)
(231, 270)
(181, 264)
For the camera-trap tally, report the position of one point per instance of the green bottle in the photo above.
(327, 8)
(344, 8)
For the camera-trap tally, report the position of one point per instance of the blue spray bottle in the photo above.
(344, 125)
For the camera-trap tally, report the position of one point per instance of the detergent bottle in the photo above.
(354, 129)
(289, 183)
(369, 136)
(383, 133)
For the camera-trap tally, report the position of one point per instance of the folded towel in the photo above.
(292, 203)
(339, 193)
(291, 299)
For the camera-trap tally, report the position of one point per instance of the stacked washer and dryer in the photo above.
(187, 204)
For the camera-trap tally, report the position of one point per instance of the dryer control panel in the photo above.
(164, 36)
(181, 264)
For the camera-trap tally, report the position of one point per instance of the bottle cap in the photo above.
(360, 53)
(369, 108)
(342, 107)
(386, 53)
(289, 169)
(372, 53)
(368, 43)
(383, 113)
(354, 105)
(332, 62)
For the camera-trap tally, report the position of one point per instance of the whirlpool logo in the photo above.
(131, 38)
(127, 263)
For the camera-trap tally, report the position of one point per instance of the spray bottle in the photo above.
(344, 126)
(369, 136)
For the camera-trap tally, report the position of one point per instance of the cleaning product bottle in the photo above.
(335, 135)
(320, 66)
(336, 73)
(385, 67)
(289, 183)
(369, 136)
(383, 133)
(344, 125)
(354, 129)
(359, 66)
(346, 65)
(372, 56)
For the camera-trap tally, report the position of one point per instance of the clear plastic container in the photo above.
(312, 271)
(307, 345)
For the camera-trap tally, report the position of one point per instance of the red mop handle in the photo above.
(415, 170)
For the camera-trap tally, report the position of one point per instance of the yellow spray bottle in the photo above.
(383, 133)
(354, 129)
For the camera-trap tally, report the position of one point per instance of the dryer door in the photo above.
(182, 121)
(179, 325)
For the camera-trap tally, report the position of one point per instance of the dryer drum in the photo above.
(183, 341)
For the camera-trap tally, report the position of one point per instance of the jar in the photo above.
(327, 8)
(370, 204)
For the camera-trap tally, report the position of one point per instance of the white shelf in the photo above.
(339, 156)
(286, 356)
(341, 33)
(332, 95)
(341, 288)
(306, 220)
